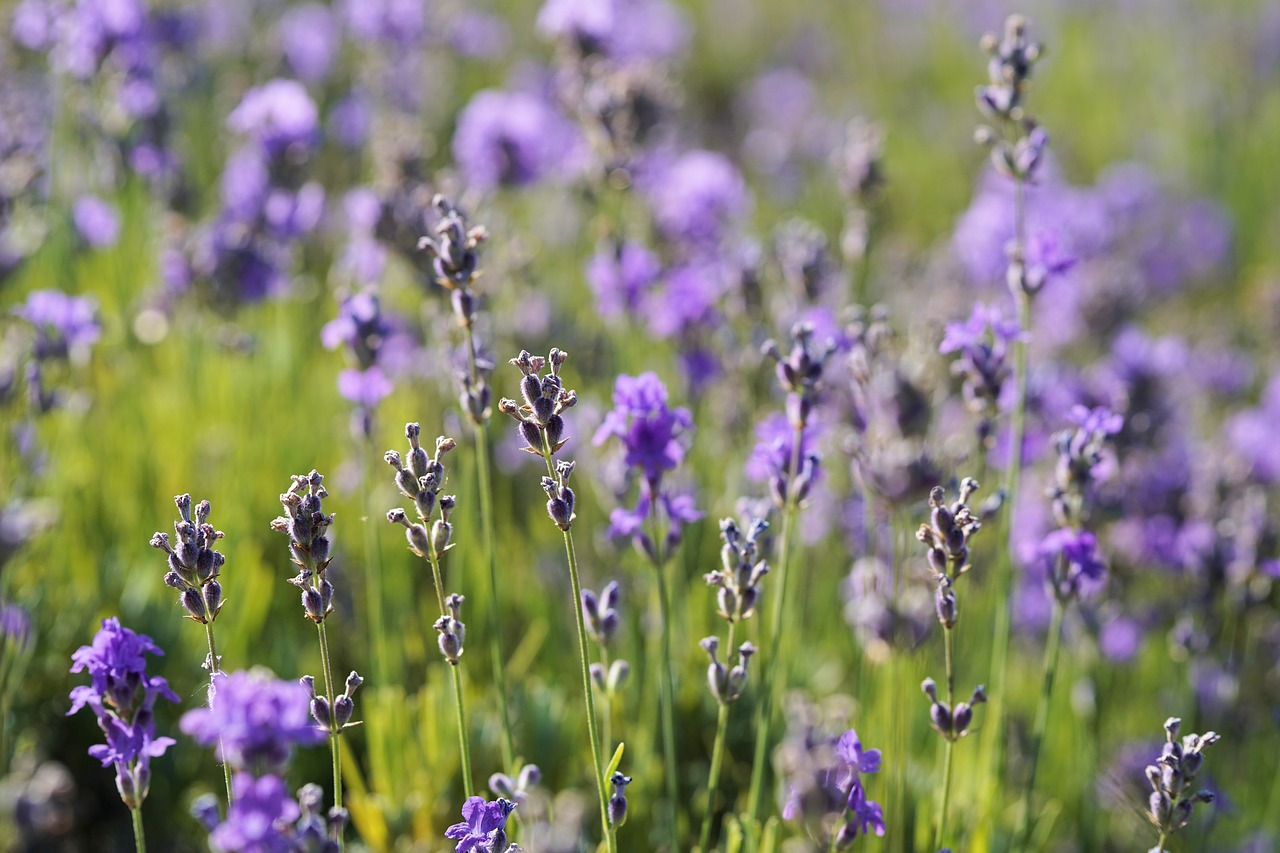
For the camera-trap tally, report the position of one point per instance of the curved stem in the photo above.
(485, 482)
(597, 760)
(769, 682)
(214, 669)
(717, 756)
(1042, 714)
(139, 838)
(949, 741)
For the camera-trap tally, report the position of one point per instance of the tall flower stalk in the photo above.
(194, 568)
(430, 537)
(542, 429)
(1173, 778)
(737, 583)
(306, 525)
(799, 372)
(456, 265)
(946, 538)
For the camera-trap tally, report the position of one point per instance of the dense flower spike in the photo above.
(825, 784)
(484, 826)
(194, 566)
(122, 696)
(306, 525)
(255, 721)
(982, 343)
(1172, 780)
(263, 817)
(948, 532)
(742, 568)
(545, 399)
(1083, 461)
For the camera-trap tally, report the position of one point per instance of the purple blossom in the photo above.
(1070, 562)
(63, 323)
(775, 444)
(620, 276)
(648, 428)
(484, 826)
(254, 720)
(365, 388)
(830, 783)
(96, 221)
(396, 22)
(259, 818)
(685, 298)
(696, 197)
(15, 626)
(986, 329)
(1251, 434)
(511, 139)
(278, 114)
(351, 119)
(620, 30)
(310, 38)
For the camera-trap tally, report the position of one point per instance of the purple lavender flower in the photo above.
(511, 139)
(255, 721)
(259, 818)
(696, 197)
(63, 323)
(620, 275)
(983, 343)
(122, 696)
(309, 37)
(826, 779)
(772, 456)
(279, 114)
(15, 626)
(393, 22)
(484, 826)
(1070, 562)
(96, 221)
(620, 30)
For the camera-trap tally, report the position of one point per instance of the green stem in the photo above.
(1160, 843)
(606, 717)
(334, 731)
(769, 682)
(485, 483)
(139, 838)
(373, 580)
(717, 757)
(593, 732)
(950, 742)
(464, 746)
(1042, 714)
(666, 688)
(214, 669)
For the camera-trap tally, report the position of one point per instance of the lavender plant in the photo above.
(123, 697)
(194, 569)
(307, 525)
(1173, 778)
(541, 427)
(430, 537)
(946, 538)
(738, 588)
(455, 252)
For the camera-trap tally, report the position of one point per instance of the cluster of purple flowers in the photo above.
(825, 785)
(123, 697)
(484, 827)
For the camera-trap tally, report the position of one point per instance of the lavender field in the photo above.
(617, 426)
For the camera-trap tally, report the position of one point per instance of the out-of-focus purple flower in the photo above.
(648, 428)
(685, 298)
(398, 22)
(15, 626)
(366, 388)
(828, 781)
(122, 696)
(351, 119)
(620, 30)
(1120, 639)
(484, 826)
(1251, 434)
(259, 818)
(96, 221)
(986, 328)
(983, 344)
(309, 37)
(255, 721)
(359, 326)
(478, 34)
(775, 442)
(511, 139)
(1070, 562)
(696, 197)
(63, 323)
(277, 114)
(620, 275)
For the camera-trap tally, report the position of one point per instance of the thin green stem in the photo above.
(373, 580)
(1051, 650)
(334, 731)
(717, 757)
(1160, 843)
(464, 745)
(593, 732)
(139, 838)
(214, 669)
(666, 687)
(769, 681)
(485, 482)
(947, 640)
(606, 717)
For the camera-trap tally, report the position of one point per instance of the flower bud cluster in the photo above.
(194, 565)
(1083, 461)
(545, 399)
(600, 615)
(1172, 778)
(421, 480)
(726, 684)
(800, 371)
(952, 724)
(306, 524)
(742, 569)
(1001, 100)
(516, 790)
(335, 715)
(948, 532)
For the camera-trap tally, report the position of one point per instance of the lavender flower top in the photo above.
(310, 38)
(621, 30)
(775, 440)
(259, 817)
(255, 720)
(277, 114)
(484, 826)
(63, 323)
(1071, 562)
(117, 668)
(696, 197)
(985, 328)
(648, 428)
(511, 139)
(620, 276)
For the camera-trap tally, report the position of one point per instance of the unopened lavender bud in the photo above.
(310, 798)
(174, 580)
(193, 602)
(343, 707)
(1205, 796)
(530, 776)
(618, 801)
(532, 436)
(1181, 813)
(941, 718)
(1159, 806)
(313, 603)
(618, 672)
(555, 432)
(337, 820)
(213, 599)
(1191, 763)
(183, 503)
(320, 710)
(598, 676)
(961, 718)
(450, 640)
(205, 810)
(502, 786)
(930, 689)
(441, 533)
(945, 603)
(1171, 727)
(353, 683)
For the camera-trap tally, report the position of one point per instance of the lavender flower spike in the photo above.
(194, 566)
(484, 826)
(1172, 780)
